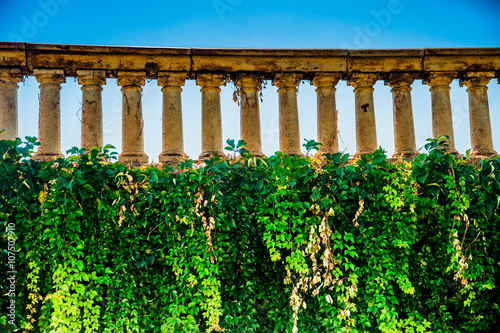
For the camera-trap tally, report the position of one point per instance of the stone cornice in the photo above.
(266, 62)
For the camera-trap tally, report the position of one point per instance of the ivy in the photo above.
(248, 244)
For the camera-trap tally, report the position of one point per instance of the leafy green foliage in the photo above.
(311, 145)
(247, 244)
(238, 148)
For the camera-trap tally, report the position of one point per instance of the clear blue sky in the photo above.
(253, 24)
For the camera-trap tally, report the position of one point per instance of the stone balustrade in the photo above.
(247, 68)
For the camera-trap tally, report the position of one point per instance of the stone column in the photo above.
(404, 129)
(49, 119)
(366, 132)
(211, 122)
(327, 111)
(9, 78)
(250, 115)
(132, 122)
(289, 114)
(91, 82)
(479, 114)
(442, 121)
(172, 136)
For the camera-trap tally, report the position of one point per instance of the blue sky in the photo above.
(253, 24)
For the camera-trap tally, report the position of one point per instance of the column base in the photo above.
(42, 156)
(364, 152)
(404, 155)
(206, 155)
(483, 153)
(171, 158)
(135, 158)
(292, 152)
(256, 153)
(323, 150)
(455, 153)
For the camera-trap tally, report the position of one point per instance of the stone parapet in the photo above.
(51, 64)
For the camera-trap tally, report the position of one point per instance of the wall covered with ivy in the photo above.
(278, 244)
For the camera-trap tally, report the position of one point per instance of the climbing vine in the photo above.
(246, 244)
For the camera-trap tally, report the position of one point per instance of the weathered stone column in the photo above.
(404, 129)
(91, 82)
(366, 132)
(327, 111)
(250, 114)
(132, 122)
(289, 113)
(172, 136)
(211, 120)
(49, 119)
(9, 78)
(479, 114)
(442, 121)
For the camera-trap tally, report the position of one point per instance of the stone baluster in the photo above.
(442, 121)
(9, 78)
(479, 114)
(132, 122)
(211, 120)
(288, 112)
(172, 136)
(366, 132)
(92, 130)
(327, 111)
(404, 129)
(250, 115)
(49, 120)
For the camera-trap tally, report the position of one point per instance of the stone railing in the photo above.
(247, 68)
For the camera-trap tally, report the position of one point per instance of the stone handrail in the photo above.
(247, 68)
